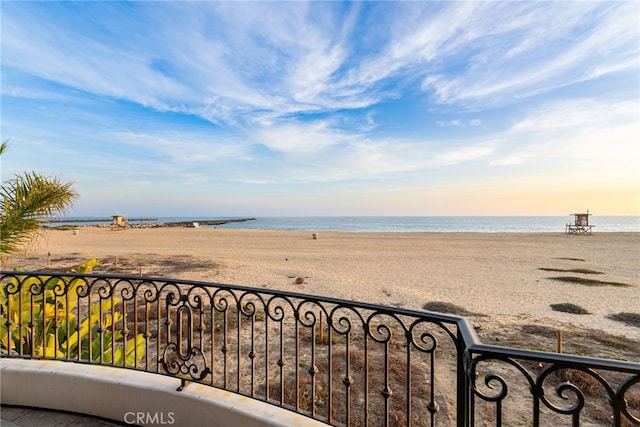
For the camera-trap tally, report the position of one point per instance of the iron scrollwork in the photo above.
(340, 362)
(181, 357)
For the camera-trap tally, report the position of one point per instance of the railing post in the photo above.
(462, 385)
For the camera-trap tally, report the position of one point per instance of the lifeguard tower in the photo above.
(119, 223)
(580, 224)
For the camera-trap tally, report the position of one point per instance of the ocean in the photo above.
(482, 224)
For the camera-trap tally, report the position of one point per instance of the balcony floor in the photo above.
(13, 416)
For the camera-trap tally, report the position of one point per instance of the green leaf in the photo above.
(140, 344)
(36, 302)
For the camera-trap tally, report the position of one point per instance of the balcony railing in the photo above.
(341, 362)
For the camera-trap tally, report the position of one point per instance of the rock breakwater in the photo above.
(185, 224)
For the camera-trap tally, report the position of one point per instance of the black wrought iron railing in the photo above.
(341, 362)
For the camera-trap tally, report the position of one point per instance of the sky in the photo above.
(326, 108)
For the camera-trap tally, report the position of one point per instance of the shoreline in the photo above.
(500, 277)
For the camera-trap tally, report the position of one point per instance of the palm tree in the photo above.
(26, 200)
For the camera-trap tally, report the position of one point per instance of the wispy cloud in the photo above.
(584, 136)
(459, 123)
(545, 48)
(218, 57)
(321, 92)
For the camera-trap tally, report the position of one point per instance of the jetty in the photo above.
(119, 222)
(193, 223)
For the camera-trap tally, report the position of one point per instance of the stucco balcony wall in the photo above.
(133, 397)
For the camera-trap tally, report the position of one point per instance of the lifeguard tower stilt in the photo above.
(580, 224)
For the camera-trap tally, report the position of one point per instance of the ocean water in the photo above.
(482, 224)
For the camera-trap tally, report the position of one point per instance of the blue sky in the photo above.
(327, 108)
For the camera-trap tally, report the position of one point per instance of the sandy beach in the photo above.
(498, 277)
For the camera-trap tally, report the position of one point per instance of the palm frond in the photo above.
(25, 201)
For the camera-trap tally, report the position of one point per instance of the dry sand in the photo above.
(498, 276)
